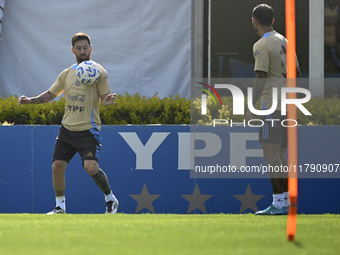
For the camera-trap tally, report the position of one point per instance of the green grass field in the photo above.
(166, 234)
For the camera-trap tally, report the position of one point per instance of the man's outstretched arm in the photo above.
(42, 98)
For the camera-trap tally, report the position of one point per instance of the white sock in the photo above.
(60, 201)
(110, 197)
(278, 200)
(286, 198)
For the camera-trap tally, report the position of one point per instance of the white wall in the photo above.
(145, 45)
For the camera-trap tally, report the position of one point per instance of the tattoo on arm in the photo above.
(258, 86)
(43, 98)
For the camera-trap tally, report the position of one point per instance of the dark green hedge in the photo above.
(324, 111)
(38, 114)
(128, 110)
(139, 110)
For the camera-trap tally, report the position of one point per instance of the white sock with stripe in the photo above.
(60, 201)
(278, 200)
(286, 199)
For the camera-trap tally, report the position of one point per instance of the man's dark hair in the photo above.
(79, 37)
(264, 14)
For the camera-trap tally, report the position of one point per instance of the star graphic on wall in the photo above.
(248, 200)
(144, 200)
(197, 200)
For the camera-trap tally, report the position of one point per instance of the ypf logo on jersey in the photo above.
(238, 103)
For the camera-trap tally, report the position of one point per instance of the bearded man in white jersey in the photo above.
(271, 69)
(80, 129)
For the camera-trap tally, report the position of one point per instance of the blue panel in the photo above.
(26, 178)
(164, 179)
(16, 169)
(43, 146)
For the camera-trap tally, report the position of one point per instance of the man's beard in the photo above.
(82, 58)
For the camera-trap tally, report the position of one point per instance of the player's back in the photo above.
(270, 57)
(275, 45)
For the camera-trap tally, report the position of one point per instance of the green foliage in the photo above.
(136, 109)
(324, 112)
(139, 110)
(214, 111)
(49, 114)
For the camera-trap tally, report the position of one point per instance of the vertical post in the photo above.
(292, 131)
(316, 47)
(197, 38)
